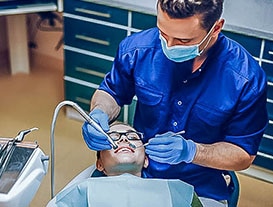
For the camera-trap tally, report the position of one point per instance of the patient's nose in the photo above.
(123, 138)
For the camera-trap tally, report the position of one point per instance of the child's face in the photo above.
(124, 159)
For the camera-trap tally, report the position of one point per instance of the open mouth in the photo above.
(124, 149)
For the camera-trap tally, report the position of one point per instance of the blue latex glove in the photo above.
(171, 149)
(94, 139)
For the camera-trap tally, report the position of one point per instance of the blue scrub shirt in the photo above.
(223, 101)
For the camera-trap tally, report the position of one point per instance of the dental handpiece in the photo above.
(93, 123)
(98, 127)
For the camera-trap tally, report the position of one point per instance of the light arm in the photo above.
(105, 102)
(222, 155)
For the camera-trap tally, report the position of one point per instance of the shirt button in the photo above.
(185, 81)
(200, 70)
(179, 103)
(175, 123)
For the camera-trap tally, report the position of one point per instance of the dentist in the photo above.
(189, 76)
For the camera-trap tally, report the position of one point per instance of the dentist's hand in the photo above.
(94, 139)
(171, 149)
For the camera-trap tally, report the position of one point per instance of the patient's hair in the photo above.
(98, 155)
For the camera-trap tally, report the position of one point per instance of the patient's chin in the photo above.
(127, 159)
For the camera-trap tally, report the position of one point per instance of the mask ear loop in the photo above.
(200, 52)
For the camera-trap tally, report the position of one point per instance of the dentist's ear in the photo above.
(146, 162)
(218, 27)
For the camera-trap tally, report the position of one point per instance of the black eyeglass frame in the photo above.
(126, 133)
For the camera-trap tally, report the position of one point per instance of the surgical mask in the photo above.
(182, 53)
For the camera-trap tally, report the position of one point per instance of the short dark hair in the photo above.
(209, 10)
(98, 155)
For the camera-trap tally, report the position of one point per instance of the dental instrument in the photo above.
(87, 118)
(22, 134)
(144, 145)
(8, 146)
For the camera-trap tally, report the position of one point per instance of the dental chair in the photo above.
(124, 191)
(92, 172)
(78, 191)
(87, 173)
(235, 188)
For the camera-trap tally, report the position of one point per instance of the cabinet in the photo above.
(262, 50)
(265, 155)
(92, 34)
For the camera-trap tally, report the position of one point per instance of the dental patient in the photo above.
(129, 157)
(117, 179)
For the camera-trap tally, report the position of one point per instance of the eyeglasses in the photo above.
(131, 135)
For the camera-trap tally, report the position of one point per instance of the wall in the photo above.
(150, 4)
(253, 17)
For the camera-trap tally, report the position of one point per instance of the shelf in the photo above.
(259, 173)
(28, 8)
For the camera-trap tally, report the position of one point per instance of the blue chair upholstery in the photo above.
(235, 188)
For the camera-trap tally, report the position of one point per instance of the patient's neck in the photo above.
(124, 168)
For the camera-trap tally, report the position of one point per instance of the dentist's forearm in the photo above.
(105, 102)
(222, 155)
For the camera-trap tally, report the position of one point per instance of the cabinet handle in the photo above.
(87, 11)
(89, 72)
(93, 40)
(270, 52)
(83, 100)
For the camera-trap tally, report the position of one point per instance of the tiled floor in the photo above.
(30, 100)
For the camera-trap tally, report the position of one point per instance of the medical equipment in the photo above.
(22, 168)
(87, 118)
(135, 147)
(144, 145)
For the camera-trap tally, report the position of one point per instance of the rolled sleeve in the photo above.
(250, 143)
(249, 122)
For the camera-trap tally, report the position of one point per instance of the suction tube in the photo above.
(87, 118)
